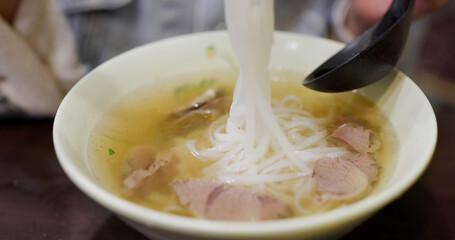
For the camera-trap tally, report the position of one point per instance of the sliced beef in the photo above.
(144, 162)
(235, 203)
(206, 97)
(194, 194)
(193, 119)
(339, 178)
(212, 109)
(355, 137)
(365, 162)
(139, 157)
(218, 201)
(136, 179)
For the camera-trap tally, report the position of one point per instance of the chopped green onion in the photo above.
(111, 151)
(210, 51)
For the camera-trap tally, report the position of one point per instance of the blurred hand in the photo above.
(8, 9)
(364, 13)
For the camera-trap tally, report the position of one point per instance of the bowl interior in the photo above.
(397, 96)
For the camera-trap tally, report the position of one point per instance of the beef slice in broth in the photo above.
(355, 137)
(142, 163)
(217, 201)
(202, 110)
(345, 177)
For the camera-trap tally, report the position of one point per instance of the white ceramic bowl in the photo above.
(408, 109)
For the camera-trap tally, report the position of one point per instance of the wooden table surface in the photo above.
(38, 201)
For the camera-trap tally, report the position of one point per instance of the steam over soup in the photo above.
(166, 147)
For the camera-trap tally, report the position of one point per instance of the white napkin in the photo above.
(38, 60)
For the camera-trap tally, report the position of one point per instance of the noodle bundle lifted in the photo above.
(262, 150)
(262, 147)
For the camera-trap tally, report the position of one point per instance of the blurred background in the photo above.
(47, 45)
(101, 34)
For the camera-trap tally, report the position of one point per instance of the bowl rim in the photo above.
(207, 228)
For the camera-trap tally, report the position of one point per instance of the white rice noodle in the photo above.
(270, 149)
(257, 179)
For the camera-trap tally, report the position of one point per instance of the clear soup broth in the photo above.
(142, 119)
